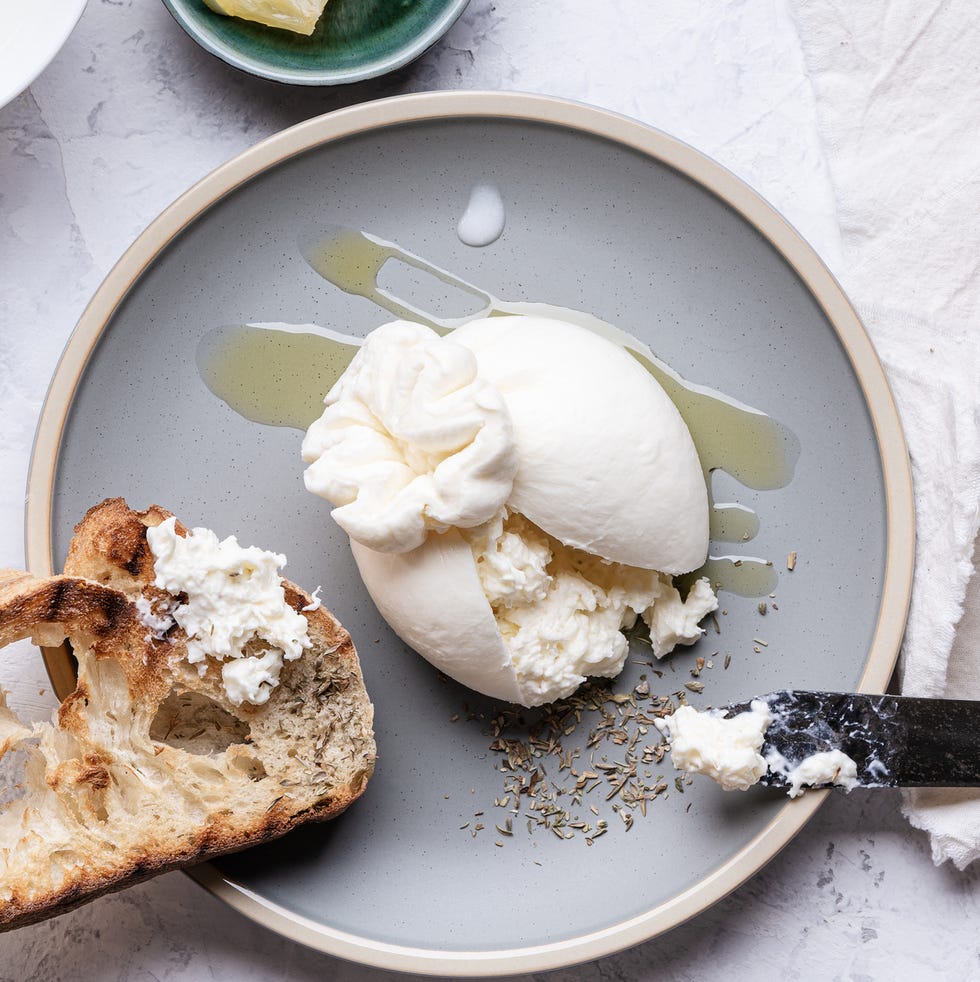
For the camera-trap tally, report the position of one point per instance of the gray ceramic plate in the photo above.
(603, 215)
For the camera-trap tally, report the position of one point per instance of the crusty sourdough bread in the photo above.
(148, 766)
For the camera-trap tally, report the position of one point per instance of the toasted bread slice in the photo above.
(148, 765)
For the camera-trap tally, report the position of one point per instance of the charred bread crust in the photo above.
(308, 755)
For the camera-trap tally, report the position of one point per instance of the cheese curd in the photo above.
(728, 750)
(234, 604)
(673, 621)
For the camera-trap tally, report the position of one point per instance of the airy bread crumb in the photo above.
(148, 766)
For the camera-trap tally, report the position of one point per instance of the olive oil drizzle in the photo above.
(277, 374)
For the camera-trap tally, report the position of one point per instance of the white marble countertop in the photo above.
(128, 116)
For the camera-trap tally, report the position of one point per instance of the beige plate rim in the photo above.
(596, 122)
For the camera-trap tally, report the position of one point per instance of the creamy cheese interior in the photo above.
(561, 611)
(235, 609)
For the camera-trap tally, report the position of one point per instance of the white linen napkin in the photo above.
(897, 87)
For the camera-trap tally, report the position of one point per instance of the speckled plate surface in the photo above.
(353, 40)
(603, 215)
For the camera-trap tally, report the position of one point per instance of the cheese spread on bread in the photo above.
(148, 766)
(235, 608)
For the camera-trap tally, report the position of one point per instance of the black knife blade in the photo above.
(895, 741)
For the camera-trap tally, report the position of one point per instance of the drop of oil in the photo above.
(744, 576)
(732, 522)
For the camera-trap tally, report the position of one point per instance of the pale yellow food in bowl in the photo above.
(299, 16)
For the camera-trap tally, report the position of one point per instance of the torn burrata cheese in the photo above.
(517, 494)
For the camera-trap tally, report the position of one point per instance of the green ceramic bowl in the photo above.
(354, 40)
